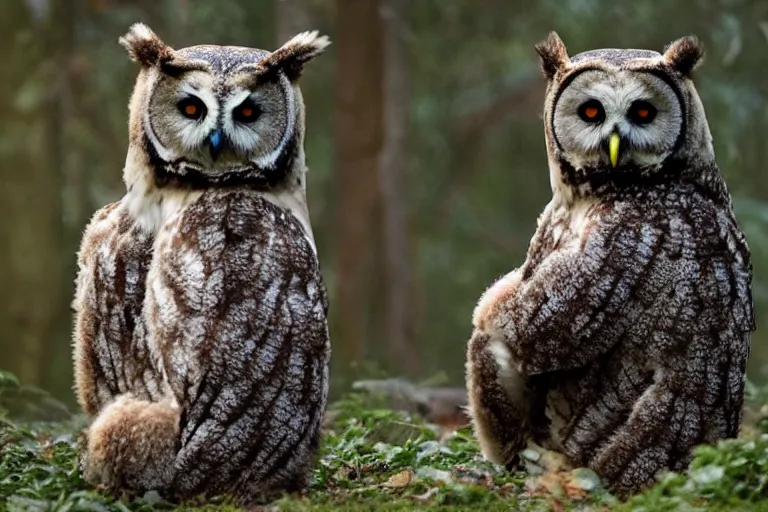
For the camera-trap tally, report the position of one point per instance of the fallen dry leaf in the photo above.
(547, 484)
(400, 480)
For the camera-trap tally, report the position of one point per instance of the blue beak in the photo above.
(214, 144)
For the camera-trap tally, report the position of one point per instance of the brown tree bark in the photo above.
(358, 143)
(33, 310)
(404, 356)
(64, 167)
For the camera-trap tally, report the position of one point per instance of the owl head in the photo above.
(217, 115)
(622, 116)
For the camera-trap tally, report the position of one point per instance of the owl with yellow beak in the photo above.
(622, 340)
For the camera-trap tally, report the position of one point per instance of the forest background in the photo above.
(424, 141)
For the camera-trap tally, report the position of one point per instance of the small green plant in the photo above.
(376, 459)
(28, 403)
(385, 456)
(730, 476)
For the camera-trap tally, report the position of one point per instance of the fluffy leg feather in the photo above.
(132, 445)
(499, 400)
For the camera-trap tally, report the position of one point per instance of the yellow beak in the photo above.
(613, 148)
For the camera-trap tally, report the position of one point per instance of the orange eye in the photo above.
(247, 112)
(192, 108)
(591, 111)
(642, 112)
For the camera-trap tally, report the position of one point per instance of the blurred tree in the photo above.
(34, 283)
(424, 142)
(358, 138)
(403, 348)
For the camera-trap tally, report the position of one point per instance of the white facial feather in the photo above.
(268, 159)
(163, 152)
(260, 142)
(648, 144)
(243, 137)
(193, 133)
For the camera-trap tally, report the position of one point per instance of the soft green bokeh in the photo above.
(476, 179)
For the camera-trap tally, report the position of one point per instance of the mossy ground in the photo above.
(377, 459)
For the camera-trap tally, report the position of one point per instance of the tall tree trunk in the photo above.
(358, 141)
(34, 305)
(404, 356)
(57, 359)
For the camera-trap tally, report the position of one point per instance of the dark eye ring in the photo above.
(246, 112)
(642, 112)
(192, 108)
(592, 111)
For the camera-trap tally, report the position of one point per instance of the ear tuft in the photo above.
(144, 46)
(685, 54)
(291, 57)
(553, 55)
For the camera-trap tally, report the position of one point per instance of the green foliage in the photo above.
(28, 403)
(731, 476)
(38, 473)
(372, 453)
(8, 380)
(376, 459)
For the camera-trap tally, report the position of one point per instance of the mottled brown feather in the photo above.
(553, 55)
(622, 341)
(201, 345)
(685, 54)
